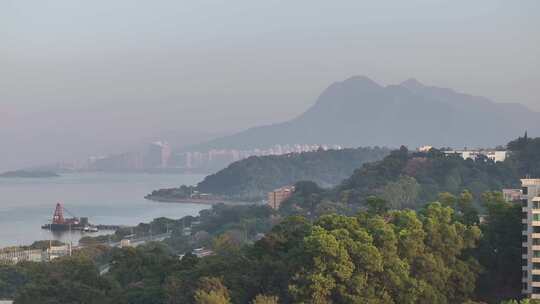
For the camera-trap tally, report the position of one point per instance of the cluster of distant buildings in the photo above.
(496, 155)
(160, 155)
(15, 255)
(222, 157)
(156, 155)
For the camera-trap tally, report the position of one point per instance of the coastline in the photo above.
(196, 201)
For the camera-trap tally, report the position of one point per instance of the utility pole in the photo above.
(70, 240)
(50, 240)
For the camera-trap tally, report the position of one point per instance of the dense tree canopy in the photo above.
(66, 280)
(499, 249)
(525, 156)
(416, 178)
(380, 255)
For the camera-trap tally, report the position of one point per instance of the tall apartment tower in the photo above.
(530, 263)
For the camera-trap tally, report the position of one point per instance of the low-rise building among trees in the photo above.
(278, 196)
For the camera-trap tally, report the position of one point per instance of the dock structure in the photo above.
(61, 223)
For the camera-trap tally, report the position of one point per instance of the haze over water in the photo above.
(116, 199)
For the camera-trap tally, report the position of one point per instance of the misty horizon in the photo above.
(83, 79)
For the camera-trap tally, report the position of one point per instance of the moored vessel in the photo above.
(61, 223)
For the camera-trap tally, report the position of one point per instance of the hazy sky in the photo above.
(88, 77)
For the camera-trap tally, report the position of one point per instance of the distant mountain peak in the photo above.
(359, 112)
(360, 79)
(412, 84)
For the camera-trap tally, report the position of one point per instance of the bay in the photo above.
(105, 198)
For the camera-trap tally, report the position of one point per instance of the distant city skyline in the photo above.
(160, 156)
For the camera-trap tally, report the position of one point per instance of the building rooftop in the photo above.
(530, 181)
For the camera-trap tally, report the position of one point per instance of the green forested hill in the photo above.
(408, 179)
(255, 176)
(252, 178)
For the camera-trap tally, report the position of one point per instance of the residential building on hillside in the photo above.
(425, 148)
(13, 256)
(494, 155)
(512, 195)
(278, 196)
(530, 264)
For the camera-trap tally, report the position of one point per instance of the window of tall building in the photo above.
(525, 190)
(536, 229)
(536, 217)
(536, 254)
(536, 205)
(536, 278)
(536, 241)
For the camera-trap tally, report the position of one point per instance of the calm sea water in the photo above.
(116, 199)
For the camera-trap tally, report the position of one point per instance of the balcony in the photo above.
(535, 284)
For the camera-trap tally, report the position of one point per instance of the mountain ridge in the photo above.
(360, 112)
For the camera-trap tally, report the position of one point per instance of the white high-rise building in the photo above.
(530, 264)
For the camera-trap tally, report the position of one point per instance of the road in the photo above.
(104, 269)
